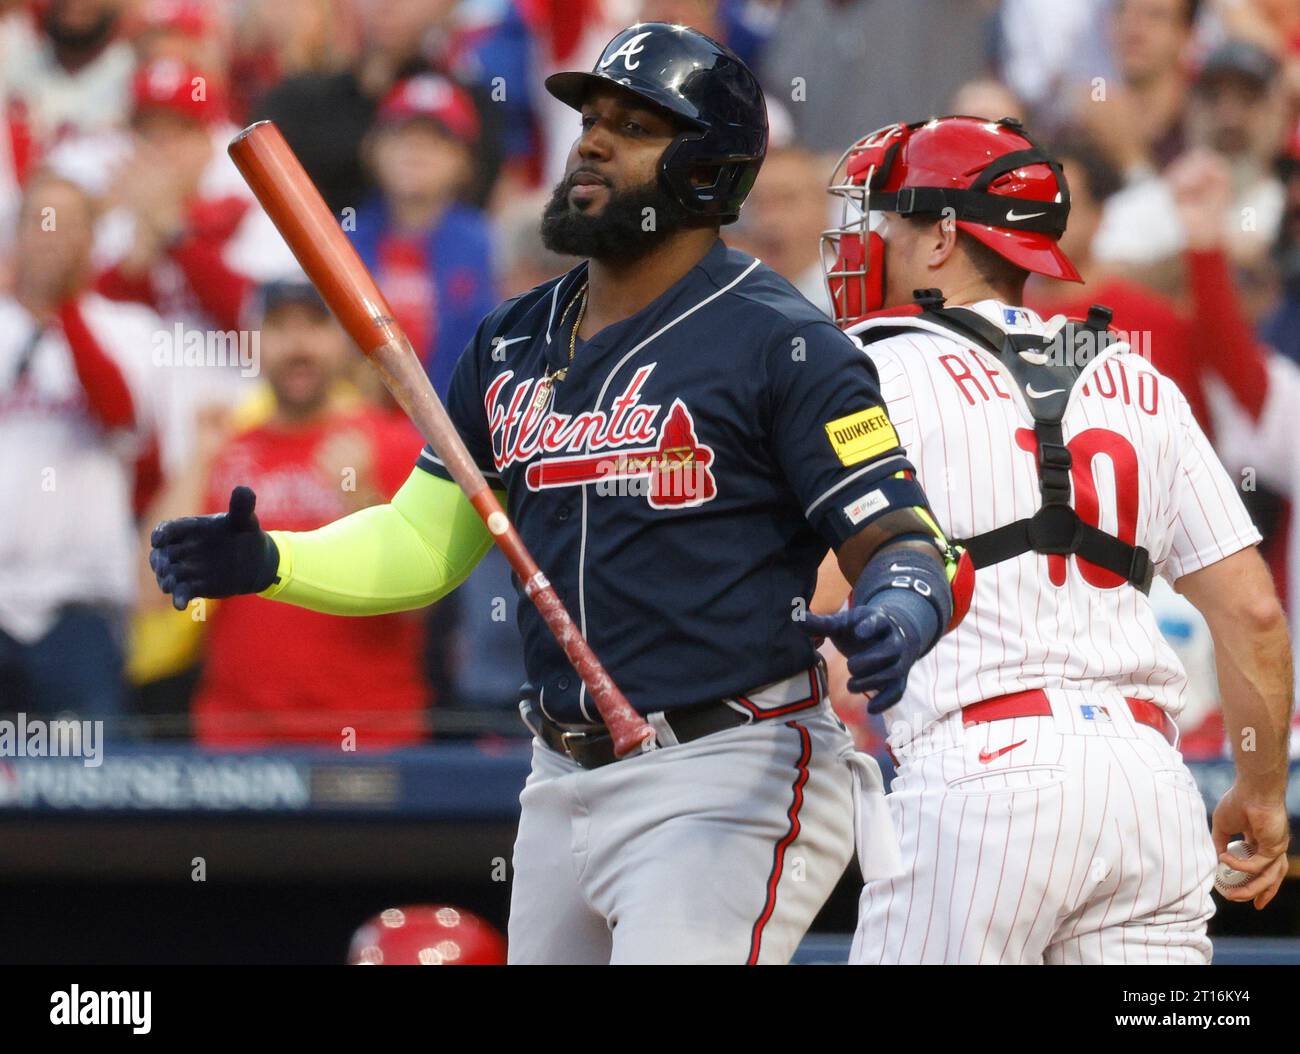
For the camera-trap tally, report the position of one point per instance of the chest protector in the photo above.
(1045, 369)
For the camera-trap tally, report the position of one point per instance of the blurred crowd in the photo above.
(159, 345)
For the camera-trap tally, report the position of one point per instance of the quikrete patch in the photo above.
(861, 435)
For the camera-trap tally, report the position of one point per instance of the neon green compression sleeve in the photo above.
(393, 557)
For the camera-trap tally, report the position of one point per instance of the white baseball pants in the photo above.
(1074, 838)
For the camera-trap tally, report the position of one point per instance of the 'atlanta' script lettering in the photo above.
(521, 429)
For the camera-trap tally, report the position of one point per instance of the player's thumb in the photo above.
(240, 516)
(821, 625)
(1219, 832)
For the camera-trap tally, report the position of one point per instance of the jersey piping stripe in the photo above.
(778, 853)
(426, 456)
(604, 388)
(555, 294)
(812, 700)
(875, 465)
(664, 329)
(582, 599)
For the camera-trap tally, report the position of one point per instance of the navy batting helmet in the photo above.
(711, 165)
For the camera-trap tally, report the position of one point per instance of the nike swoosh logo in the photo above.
(1029, 390)
(990, 755)
(900, 567)
(1012, 215)
(502, 342)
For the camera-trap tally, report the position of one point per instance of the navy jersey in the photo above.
(683, 481)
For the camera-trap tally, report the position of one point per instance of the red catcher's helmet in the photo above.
(995, 182)
(426, 935)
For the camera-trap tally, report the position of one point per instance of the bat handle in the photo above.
(629, 730)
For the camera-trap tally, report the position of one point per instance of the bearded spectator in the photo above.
(275, 674)
(69, 67)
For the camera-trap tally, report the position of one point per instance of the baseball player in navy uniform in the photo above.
(680, 437)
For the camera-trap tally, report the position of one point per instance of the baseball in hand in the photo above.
(1226, 877)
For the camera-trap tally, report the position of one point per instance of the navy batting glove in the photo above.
(881, 639)
(214, 556)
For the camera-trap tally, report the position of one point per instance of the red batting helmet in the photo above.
(426, 935)
(995, 182)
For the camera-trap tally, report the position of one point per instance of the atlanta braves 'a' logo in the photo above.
(630, 47)
(622, 451)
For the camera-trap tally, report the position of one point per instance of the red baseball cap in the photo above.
(435, 98)
(172, 86)
(189, 17)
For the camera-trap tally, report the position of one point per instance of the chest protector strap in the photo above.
(1045, 368)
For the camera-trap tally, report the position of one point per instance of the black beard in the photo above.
(83, 40)
(616, 234)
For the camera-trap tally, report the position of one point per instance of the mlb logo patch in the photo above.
(1094, 713)
(1015, 316)
(865, 506)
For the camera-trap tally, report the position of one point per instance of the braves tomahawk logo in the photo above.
(625, 450)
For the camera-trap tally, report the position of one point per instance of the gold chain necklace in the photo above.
(549, 379)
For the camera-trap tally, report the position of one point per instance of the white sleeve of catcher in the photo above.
(1210, 520)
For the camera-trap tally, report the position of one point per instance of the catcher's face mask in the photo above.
(853, 253)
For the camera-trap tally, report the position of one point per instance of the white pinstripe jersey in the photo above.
(1143, 469)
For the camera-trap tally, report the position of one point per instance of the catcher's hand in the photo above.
(1263, 824)
(214, 556)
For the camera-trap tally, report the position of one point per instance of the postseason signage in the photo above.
(166, 782)
(448, 782)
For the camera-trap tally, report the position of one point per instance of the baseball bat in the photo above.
(295, 206)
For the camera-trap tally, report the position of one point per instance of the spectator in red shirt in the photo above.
(180, 225)
(188, 239)
(279, 674)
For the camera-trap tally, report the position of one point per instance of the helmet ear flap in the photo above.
(689, 155)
